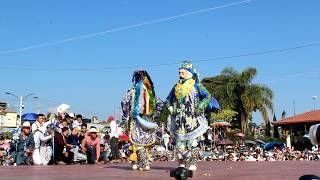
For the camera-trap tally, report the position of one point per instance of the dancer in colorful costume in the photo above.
(139, 107)
(187, 103)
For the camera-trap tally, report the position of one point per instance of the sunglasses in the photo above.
(26, 127)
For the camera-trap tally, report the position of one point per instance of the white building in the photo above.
(8, 117)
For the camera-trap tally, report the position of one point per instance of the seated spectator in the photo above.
(83, 132)
(78, 121)
(22, 149)
(69, 121)
(74, 141)
(63, 124)
(104, 153)
(105, 140)
(63, 154)
(91, 146)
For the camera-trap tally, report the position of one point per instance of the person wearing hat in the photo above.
(91, 146)
(187, 102)
(25, 146)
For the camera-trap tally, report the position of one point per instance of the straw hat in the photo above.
(93, 130)
(26, 124)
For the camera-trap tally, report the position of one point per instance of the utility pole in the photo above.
(39, 104)
(20, 110)
(314, 102)
(21, 105)
(294, 107)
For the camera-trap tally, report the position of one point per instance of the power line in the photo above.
(263, 52)
(225, 58)
(293, 76)
(73, 107)
(123, 28)
(271, 81)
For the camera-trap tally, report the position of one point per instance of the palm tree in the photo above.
(235, 90)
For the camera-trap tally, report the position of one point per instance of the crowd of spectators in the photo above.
(68, 140)
(64, 139)
(244, 153)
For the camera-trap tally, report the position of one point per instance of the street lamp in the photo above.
(314, 102)
(39, 105)
(21, 105)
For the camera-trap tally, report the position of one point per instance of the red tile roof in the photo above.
(308, 117)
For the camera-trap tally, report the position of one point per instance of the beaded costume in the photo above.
(187, 102)
(139, 107)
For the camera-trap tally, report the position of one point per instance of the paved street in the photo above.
(207, 170)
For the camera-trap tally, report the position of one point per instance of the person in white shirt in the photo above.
(77, 121)
(114, 138)
(166, 140)
(120, 130)
(41, 150)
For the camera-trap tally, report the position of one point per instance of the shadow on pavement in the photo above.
(128, 168)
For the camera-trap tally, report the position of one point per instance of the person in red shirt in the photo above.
(91, 146)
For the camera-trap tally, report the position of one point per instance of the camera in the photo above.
(181, 173)
(314, 134)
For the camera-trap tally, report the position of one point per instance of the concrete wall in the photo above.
(8, 119)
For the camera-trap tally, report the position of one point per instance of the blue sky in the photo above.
(258, 25)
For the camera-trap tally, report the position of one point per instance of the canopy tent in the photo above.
(249, 142)
(260, 141)
(225, 142)
(214, 104)
(219, 128)
(240, 134)
(270, 145)
(220, 123)
(29, 117)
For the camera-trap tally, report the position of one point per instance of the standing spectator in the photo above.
(41, 118)
(114, 139)
(25, 146)
(166, 140)
(120, 130)
(40, 140)
(91, 146)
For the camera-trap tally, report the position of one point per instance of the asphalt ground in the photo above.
(288, 170)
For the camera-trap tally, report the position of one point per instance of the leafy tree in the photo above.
(275, 128)
(163, 117)
(235, 90)
(225, 114)
(283, 114)
(268, 129)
